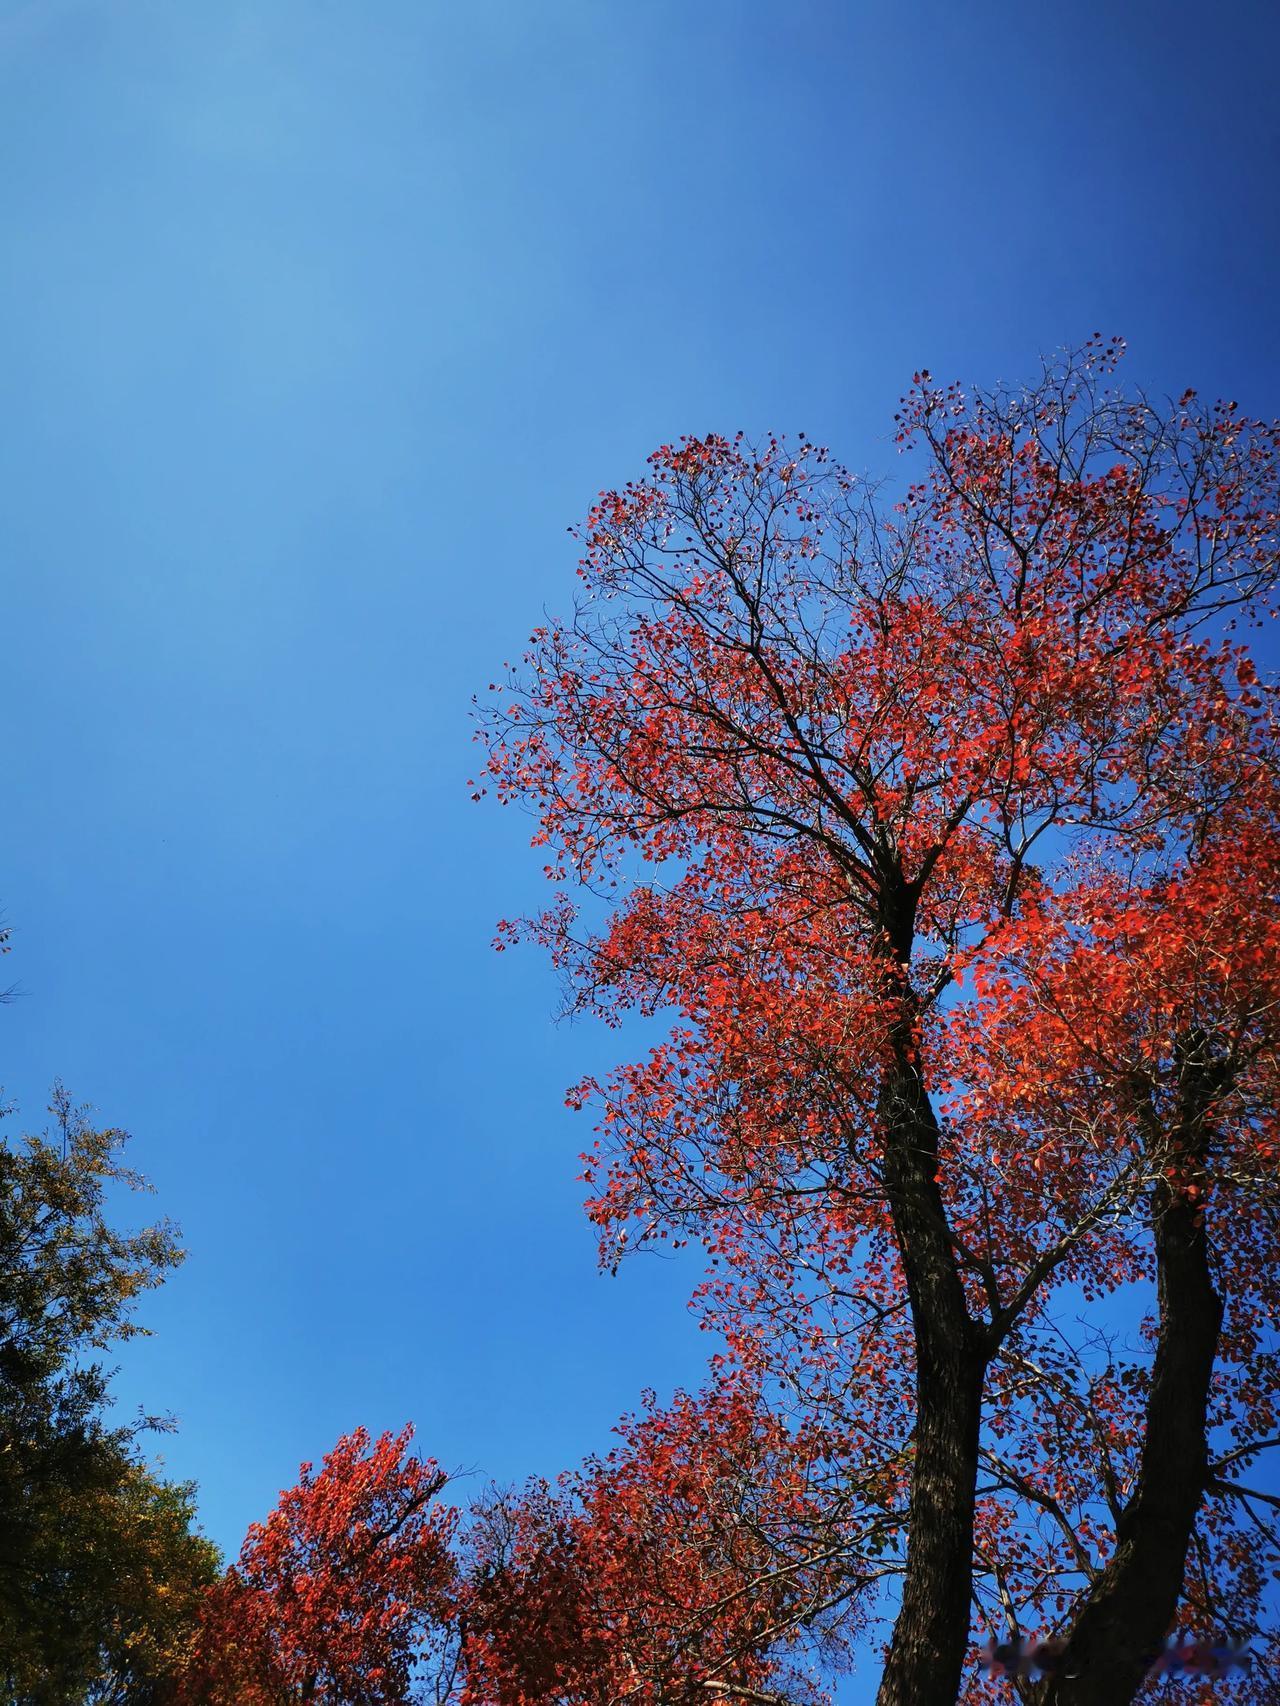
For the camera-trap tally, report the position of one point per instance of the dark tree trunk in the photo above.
(926, 1653)
(1128, 1613)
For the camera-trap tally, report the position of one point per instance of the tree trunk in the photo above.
(1131, 1607)
(926, 1652)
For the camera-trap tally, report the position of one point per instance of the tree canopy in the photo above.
(942, 828)
(100, 1572)
(340, 1595)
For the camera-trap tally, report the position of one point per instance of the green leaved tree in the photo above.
(100, 1568)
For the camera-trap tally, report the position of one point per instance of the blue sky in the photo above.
(319, 323)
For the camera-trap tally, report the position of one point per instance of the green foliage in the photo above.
(99, 1568)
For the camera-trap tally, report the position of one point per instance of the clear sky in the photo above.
(319, 323)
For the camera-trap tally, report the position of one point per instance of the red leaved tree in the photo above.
(340, 1594)
(944, 832)
(684, 1565)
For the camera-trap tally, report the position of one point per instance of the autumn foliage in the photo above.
(943, 831)
(337, 1595)
(683, 1564)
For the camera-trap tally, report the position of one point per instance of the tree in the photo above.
(100, 1571)
(944, 830)
(666, 1570)
(340, 1594)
